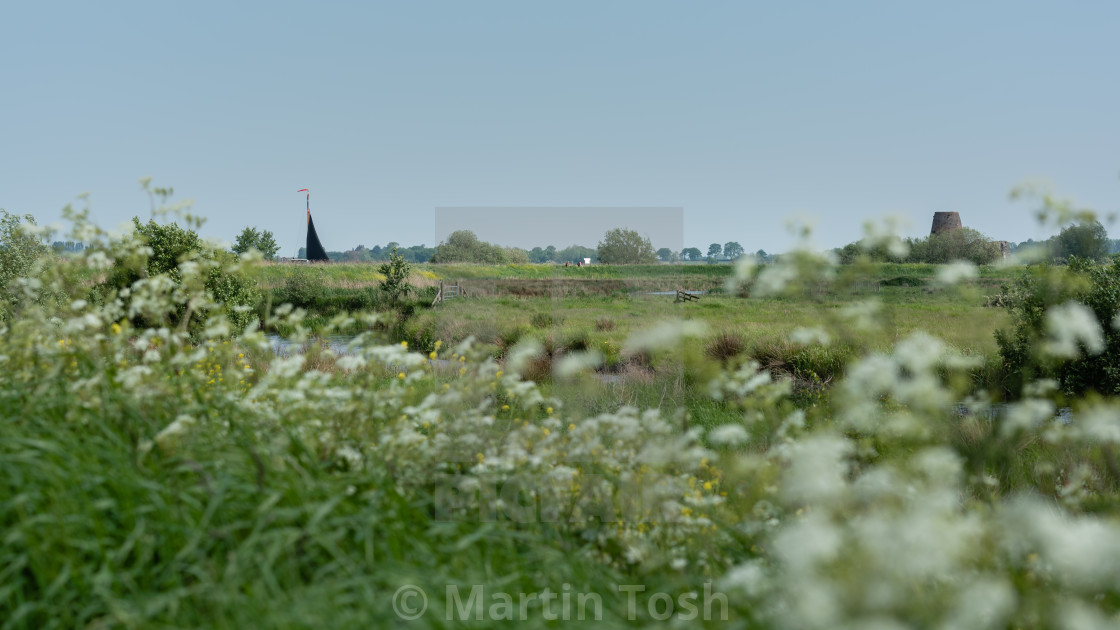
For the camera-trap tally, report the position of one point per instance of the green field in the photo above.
(598, 309)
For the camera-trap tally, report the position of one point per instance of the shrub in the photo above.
(463, 246)
(178, 254)
(959, 244)
(303, 289)
(625, 247)
(19, 249)
(1036, 301)
(395, 285)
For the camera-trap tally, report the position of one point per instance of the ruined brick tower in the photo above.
(945, 222)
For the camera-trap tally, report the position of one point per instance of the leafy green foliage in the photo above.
(19, 249)
(625, 247)
(1086, 239)
(732, 250)
(177, 253)
(959, 244)
(262, 241)
(691, 253)
(1034, 299)
(463, 246)
(395, 285)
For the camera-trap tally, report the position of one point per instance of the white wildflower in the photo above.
(728, 435)
(774, 278)
(1026, 414)
(809, 336)
(1100, 423)
(285, 367)
(884, 233)
(955, 272)
(664, 335)
(983, 603)
(863, 315)
(574, 363)
(133, 376)
(1068, 327)
(99, 261)
(522, 353)
(818, 469)
(174, 430)
(350, 455)
(742, 275)
(749, 578)
(351, 362)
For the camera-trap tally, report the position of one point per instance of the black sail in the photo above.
(315, 249)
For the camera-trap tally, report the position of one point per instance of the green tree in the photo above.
(19, 250)
(465, 246)
(262, 241)
(692, 253)
(170, 246)
(959, 244)
(396, 270)
(714, 250)
(515, 255)
(1087, 239)
(575, 252)
(664, 254)
(625, 247)
(732, 250)
(1044, 288)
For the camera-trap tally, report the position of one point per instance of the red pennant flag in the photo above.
(302, 190)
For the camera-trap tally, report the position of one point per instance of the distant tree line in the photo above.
(1087, 240)
(620, 246)
(68, 246)
(959, 244)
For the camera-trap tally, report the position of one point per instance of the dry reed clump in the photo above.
(725, 346)
(813, 363)
(539, 368)
(545, 320)
(577, 341)
(605, 324)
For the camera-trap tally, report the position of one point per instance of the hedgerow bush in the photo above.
(1065, 326)
(174, 257)
(20, 248)
(155, 477)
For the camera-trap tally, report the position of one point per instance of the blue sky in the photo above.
(743, 114)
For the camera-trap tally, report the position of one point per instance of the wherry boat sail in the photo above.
(315, 251)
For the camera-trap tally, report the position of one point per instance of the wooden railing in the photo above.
(448, 292)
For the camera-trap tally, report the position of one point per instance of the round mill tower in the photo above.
(945, 222)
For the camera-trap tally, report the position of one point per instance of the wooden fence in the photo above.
(448, 292)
